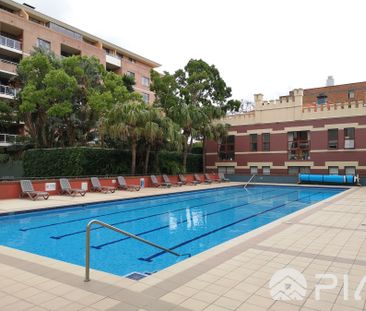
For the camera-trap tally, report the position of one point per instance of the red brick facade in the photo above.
(318, 138)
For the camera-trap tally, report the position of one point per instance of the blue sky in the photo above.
(261, 46)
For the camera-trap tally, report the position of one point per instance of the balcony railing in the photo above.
(11, 43)
(7, 90)
(8, 139)
(8, 65)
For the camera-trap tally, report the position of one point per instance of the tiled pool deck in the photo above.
(328, 237)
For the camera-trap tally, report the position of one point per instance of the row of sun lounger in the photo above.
(28, 190)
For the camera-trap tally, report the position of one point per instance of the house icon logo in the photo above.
(288, 284)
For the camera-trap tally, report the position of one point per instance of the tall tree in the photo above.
(159, 130)
(126, 122)
(193, 97)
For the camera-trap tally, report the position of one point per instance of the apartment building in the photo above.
(319, 130)
(22, 28)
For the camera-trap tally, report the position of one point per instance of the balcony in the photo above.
(112, 60)
(7, 91)
(8, 67)
(8, 140)
(10, 44)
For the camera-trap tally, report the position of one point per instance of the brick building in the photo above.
(22, 28)
(319, 130)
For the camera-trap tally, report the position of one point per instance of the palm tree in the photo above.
(126, 122)
(158, 131)
(214, 131)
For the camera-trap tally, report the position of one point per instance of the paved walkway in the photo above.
(328, 237)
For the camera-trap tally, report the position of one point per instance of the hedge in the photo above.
(86, 161)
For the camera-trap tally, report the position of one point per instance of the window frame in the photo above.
(145, 81)
(333, 167)
(350, 167)
(253, 143)
(255, 168)
(349, 143)
(330, 141)
(146, 96)
(226, 149)
(43, 42)
(353, 94)
(266, 143)
(265, 168)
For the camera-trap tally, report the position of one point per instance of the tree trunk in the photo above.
(133, 157)
(147, 157)
(185, 154)
(204, 154)
(190, 144)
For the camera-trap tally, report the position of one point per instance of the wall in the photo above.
(336, 93)
(11, 189)
(287, 114)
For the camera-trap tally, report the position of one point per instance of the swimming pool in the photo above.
(187, 222)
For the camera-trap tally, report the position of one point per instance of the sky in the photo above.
(259, 46)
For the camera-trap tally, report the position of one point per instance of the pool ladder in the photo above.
(105, 225)
(250, 179)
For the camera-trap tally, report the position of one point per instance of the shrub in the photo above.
(171, 163)
(4, 157)
(75, 162)
(87, 161)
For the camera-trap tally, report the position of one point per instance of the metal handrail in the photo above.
(103, 224)
(250, 179)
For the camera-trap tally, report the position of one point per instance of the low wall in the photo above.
(11, 189)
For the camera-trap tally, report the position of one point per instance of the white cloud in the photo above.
(259, 46)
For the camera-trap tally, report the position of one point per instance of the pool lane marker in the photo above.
(150, 258)
(100, 246)
(108, 214)
(58, 237)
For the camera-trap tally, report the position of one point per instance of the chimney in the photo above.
(330, 81)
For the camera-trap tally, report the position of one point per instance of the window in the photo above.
(349, 138)
(34, 20)
(350, 170)
(333, 139)
(298, 145)
(321, 99)
(65, 31)
(145, 81)
(119, 55)
(253, 142)
(266, 170)
(131, 74)
(351, 94)
(43, 44)
(253, 170)
(333, 170)
(227, 148)
(146, 97)
(295, 170)
(266, 141)
(226, 169)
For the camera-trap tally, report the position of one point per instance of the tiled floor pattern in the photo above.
(328, 237)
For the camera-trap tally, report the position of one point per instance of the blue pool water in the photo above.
(189, 223)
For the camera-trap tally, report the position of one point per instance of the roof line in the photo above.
(84, 33)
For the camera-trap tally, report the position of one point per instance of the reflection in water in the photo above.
(189, 218)
(173, 222)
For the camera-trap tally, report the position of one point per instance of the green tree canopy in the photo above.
(193, 97)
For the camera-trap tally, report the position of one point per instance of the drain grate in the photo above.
(136, 276)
